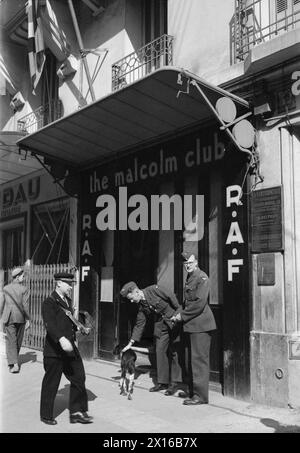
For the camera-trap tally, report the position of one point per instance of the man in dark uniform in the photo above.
(61, 355)
(198, 322)
(15, 317)
(164, 304)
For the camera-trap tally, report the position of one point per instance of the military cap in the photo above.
(64, 277)
(128, 288)
(186, 255)
(17, 271)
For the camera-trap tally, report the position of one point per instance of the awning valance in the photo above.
(142, 113)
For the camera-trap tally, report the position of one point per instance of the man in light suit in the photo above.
(198, 323)
(15, 317)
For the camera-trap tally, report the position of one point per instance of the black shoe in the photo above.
(171, 390)
(49, 421)
(80, 417)
(193, 401)
(158, 387)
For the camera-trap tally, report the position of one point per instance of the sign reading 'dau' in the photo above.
(266, 220)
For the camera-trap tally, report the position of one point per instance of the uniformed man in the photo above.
(198, 322)
(61, 355)
(15, 317)
(164, 304)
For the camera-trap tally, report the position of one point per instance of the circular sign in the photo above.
(244, 133)
(226, 109)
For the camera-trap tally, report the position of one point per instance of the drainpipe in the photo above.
(83, 56)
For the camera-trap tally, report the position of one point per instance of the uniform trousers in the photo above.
(168, 356)
(14, 339)
(72, 368)
(197, 348)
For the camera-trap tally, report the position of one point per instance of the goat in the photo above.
(128, 359)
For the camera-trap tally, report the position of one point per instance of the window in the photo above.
(13, 247)
(50, 232)
(281, 5)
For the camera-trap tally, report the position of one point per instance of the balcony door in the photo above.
(155, 19)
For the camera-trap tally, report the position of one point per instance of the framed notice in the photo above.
(266, 220)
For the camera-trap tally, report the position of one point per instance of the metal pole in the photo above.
(78, 35)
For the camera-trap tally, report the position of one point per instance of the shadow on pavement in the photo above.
(279, 427)
(28, 357)
(62, 399)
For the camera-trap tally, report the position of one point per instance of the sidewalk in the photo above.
(113, 413)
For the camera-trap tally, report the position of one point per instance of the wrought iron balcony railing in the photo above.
(258, 21)
(143, 61)
(43, 115)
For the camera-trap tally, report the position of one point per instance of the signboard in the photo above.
(266, 220)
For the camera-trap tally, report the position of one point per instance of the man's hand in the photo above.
(176, 318)
(127, 347)
(66, 344)
(27, 324)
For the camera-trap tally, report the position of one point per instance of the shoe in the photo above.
(15, 368)
(158, 387)
(80, 417)
(193, 401)
(48, 421)
(171, 390)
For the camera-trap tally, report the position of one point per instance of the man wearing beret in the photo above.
(164, 304)
(198, 322)
(15, 317)
(61, 355)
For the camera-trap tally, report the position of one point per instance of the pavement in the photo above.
(145, 413)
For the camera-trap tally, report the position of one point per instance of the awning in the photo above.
(142, 113)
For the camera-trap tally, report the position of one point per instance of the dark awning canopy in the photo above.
(135, 116)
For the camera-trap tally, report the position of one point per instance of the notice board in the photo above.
(266, 220)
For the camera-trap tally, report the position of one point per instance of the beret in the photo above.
(64, 277)
(127, 288)
(187, 255)
(17, 271)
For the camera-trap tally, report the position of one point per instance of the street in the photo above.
(145, 413)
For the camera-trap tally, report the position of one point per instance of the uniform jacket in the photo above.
(159, 300)
(57, 325)
(196, 313)
(18, 311)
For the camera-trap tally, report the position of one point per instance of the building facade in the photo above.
(133, 127)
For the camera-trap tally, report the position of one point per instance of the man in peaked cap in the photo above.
(164, 304)
(61, 355)
(198, 323)
(15, 318)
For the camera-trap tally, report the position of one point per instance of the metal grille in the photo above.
(39, 280)
(43, 115)
(258, 21)
(145, 60)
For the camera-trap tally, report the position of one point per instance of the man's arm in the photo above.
(137, 330)
(50, 321)
(25, 303)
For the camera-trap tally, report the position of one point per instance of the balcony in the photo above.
(43, 115)
(142, 62)
(258, 21)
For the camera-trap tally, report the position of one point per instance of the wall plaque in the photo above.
(266, 220)
(266, 269)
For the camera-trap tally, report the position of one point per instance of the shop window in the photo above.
(13, 247)
(50, 232)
